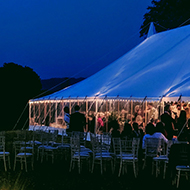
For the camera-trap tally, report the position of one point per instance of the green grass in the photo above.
(10, 182)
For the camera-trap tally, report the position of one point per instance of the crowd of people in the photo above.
(173, 123)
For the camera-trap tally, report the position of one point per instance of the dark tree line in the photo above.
(166, 14)
(18, 84)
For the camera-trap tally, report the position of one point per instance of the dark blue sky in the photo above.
(66, 38)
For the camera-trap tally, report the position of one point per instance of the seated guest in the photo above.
(159, 132)
(127, 131)
(149, 130)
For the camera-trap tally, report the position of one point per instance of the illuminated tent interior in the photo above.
(156, 70)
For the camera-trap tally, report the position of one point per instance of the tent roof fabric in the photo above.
(157, 67)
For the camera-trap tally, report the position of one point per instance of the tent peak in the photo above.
(151, 30)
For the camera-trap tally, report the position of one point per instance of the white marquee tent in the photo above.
(158, 68)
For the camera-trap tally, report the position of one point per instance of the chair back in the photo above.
(81, 135)
(106, 141)
(2, 133)
(180, 154)
(185, 154)
(2, 144)
(168, 147)
(116, 145)
(96, 146)
(46, 138)
(135, 144)
(153, 147)
(126, 148)
(75, 147)
(21, 135)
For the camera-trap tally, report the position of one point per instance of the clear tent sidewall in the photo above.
(51, 112)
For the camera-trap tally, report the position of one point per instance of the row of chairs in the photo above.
(97, 153)
(26, 145)
(125, 151)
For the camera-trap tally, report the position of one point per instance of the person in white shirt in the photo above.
(150, 129)
(152, 112)
(159, 132)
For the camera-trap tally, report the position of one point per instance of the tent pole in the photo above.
(51, 105)
(118, 105)
(70, 106)
(91, 105)
(96, 113)
(145, 113)
(106, 112)
(56, 113)
(131, 110)
(34, 107)
(86, 117)
(38, 113)
(29, 113)
(45, 112)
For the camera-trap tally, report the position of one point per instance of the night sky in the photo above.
(68, 38)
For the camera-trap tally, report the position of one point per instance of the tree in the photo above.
(18, 84)
(166, 14)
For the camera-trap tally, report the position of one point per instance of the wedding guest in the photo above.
(168, 122)
(173, 107)
(91, 122)
(127, 131)
(136, 110)
(136, 132)
(77, 121)
(160, 132)
(115, 132)
(149, 130)
(140, 122)
(66, 116)
(100, 123)
(152, 112)
(178, 109)
(181, 121)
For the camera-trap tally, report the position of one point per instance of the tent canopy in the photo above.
(157, 67)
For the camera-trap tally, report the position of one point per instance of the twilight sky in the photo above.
(68, 38)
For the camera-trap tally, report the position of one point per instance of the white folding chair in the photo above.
(5, 156)
(129, 154)
(153, 148)
(76, 154)
(184, 162)
(23, 155)
(100, 155)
